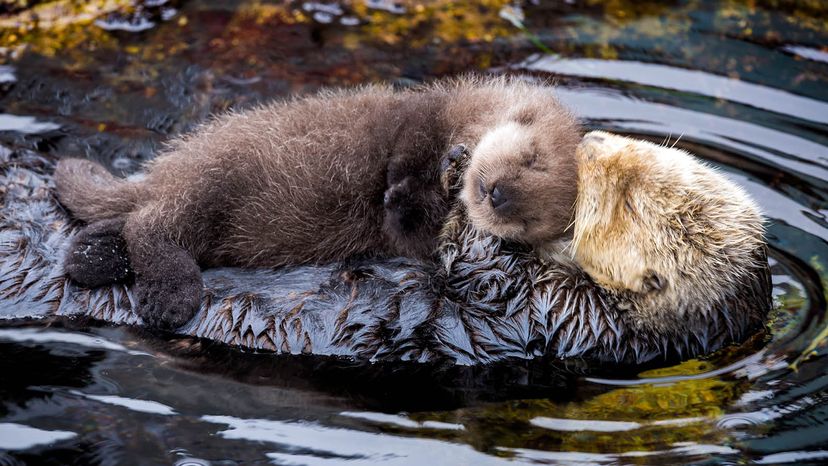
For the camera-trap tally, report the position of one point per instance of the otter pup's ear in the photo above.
(653, 282)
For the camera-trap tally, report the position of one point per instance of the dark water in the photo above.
(743, 84)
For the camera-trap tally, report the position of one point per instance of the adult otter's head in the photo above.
(521, 181)
(662, 228)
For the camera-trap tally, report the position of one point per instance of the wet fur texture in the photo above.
(339, 175)
(661, 229)
(495, 301)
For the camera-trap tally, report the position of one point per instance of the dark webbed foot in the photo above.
(168, 283)
(97, 255)
(169, 296)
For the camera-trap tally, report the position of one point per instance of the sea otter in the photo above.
(674, 253)
(662, 231)
(335, 176)
(496, 300)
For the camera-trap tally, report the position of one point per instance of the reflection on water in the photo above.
(691, 81)
(742, 84)
(19, 437)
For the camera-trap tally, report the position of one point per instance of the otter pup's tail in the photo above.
(91, 193)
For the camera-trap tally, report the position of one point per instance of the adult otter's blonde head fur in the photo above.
(521, 181)
(657, 224)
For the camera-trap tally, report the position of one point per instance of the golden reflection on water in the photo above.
(638, 418)
(596, 28)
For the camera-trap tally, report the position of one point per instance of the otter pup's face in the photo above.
(521, 182)
(652, 219)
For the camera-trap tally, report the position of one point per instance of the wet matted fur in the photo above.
(492, 302)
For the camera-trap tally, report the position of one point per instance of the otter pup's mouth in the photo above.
(503, 228)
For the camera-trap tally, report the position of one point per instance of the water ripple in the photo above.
(25, 124)
(140, 406)
(400, 421)
(807, 52)
(20, 437)
(47, 336)
(694, 81)
(313, 443)
(614, 109)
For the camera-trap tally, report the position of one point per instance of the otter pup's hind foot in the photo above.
(168, 300)
(97, 255)
(168, 284)
(169, 291)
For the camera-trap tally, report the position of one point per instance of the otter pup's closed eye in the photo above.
(520, 181)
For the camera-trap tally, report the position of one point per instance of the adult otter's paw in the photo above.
(168, 299)
(97, 255)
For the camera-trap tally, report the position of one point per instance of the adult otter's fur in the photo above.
(496, 300)
(325, 178)
(661, 230)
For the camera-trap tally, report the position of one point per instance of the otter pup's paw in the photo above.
(455, 157)
(400, 204)
(452, 166)
(97, 255)
(170, 300)
(168, 283)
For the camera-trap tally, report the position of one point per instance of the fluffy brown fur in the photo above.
(506, 188)
(329, 177)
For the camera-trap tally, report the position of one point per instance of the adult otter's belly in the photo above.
(493, 303)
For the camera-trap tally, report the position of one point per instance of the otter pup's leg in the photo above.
(97, 255)
(413, 212)
(401, 202)
(418, 198)
(168, 283)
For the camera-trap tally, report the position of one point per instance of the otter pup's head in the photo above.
(657, 224)
(521, 181)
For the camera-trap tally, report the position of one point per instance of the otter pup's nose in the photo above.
(497, 197)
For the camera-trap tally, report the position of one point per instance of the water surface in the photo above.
(742, 84)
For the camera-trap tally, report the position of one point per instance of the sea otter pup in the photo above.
(324, 178)
(662, 231)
